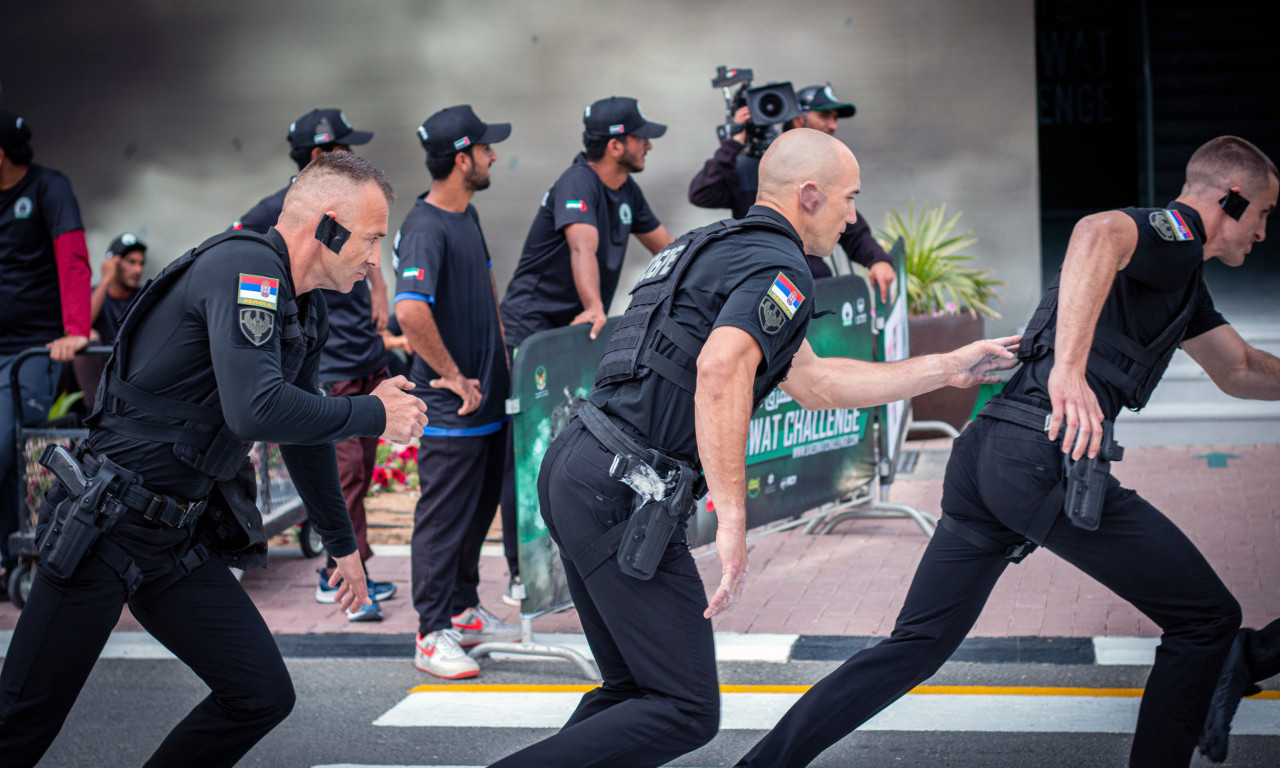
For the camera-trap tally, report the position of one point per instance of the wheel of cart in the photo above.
(34, 479)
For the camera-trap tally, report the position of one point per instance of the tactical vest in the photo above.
(1117, 359)
(632, 351)
(203, 441)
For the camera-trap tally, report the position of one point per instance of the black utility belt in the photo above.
(157, 508)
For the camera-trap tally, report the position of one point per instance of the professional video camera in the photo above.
(771, 105)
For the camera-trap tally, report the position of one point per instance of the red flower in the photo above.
(380, 476)
(410, 453)
(398, 476)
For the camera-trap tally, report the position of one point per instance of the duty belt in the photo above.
(158, 508)
(641, 468)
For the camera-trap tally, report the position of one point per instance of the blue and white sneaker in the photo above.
(372, 612)
(378, 590)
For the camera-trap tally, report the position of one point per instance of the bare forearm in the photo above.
(586, 278)
(1258, 380)
(97, 299)
(419, 326)
(848, 383)
(722, 415)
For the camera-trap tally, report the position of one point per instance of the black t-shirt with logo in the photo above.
(441, 258)
(1145, 298)
(108, 323)
(541, 293)
(354, 349)
(757, 281)
(33, 212)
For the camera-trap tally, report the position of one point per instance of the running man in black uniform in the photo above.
(448, 306)
(353, 361)
(728, 180)
(572, 256)
(44, 297)
(723, 312)
(221, 350)
(1131, 291)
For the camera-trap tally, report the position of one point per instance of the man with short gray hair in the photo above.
(219, 351)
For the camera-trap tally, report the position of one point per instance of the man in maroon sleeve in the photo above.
(44, 295)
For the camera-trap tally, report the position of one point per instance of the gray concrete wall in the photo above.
(171, 117)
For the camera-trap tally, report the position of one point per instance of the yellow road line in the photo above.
(944, 690)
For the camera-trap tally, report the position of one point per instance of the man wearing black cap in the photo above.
(353, 361)
(723, 182)
(121, 274)
(572, 256)
(44, 295)
(447, 305)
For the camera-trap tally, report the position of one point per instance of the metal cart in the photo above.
(277, 497)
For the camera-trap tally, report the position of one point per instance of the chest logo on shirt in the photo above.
(624, 214)
(576, 205)
(257, 325)
(258, 291)
(23, 207)
(1169, 225)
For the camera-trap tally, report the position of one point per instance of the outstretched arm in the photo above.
(841, 382)
(1237, 368)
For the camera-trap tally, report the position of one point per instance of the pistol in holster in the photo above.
(662, 503)
(1086, 481)
(84, 513)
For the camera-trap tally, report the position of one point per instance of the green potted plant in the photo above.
(947, 299)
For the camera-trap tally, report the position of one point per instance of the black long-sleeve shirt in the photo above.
(195, 330)
(727, 180)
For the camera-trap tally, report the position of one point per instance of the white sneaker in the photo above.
(439, 654)
(477, 625)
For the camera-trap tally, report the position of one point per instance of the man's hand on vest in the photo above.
(978, 363)
(1076, 413)
(406, 414)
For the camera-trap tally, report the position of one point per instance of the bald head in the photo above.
(801, 155)
(810, 178)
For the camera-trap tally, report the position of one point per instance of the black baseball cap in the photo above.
(14, 131)
(456, 128)
(820, 98)
(125, 243)
(619, 116)
(325, 126)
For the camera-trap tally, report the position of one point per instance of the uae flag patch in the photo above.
(415, 273)
(576, 205)
(258, 291)
(787, 296)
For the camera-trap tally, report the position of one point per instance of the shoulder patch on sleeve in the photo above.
(257, 325)
(257, 291)
(779, 304)
(1169, 225)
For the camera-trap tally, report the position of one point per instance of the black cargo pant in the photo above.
(206, 620)
(660, 697)
(997, 474)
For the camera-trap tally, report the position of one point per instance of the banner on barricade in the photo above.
(796, 459)
(893, 343)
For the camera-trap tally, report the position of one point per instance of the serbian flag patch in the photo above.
(576, 205)
(787, 296)
(414, 274)
(258, 291)
(1180, 228)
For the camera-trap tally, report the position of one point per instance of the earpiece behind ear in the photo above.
(332, 234)
(1234, 204)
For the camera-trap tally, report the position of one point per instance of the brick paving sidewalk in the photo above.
(852, 582)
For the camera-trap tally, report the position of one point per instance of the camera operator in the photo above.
(728, 180)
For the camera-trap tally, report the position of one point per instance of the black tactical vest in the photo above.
(1117, 359)
(632, 351)
(203, 441)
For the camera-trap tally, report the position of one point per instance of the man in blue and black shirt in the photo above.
(447, 305)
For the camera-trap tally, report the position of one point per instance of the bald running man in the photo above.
(221, 350)
(723, 311)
